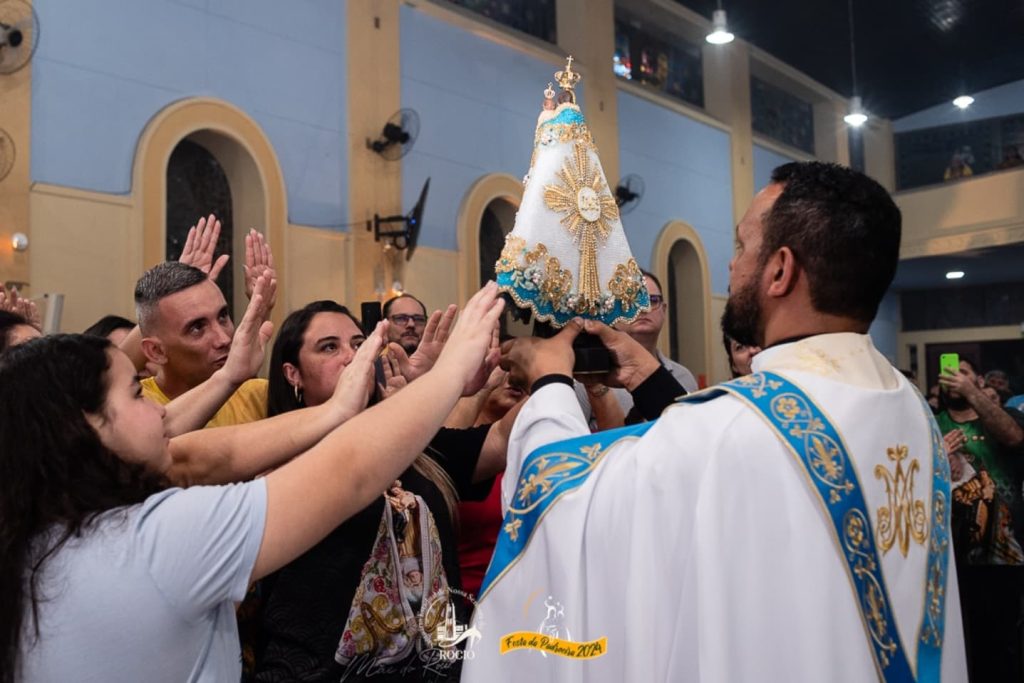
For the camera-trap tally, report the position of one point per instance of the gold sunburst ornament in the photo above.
(583, 198)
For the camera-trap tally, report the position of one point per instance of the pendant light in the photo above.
(719, 28)
(856, 117)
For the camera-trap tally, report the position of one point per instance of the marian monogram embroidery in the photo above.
(903, 519)
(803, 426)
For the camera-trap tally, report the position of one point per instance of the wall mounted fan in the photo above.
(19, 34)
(399, 135)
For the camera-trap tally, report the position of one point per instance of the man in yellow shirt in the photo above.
(186, 332)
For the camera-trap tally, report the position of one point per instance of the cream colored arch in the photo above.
(484, 191)
(698, 317)
(247, 157)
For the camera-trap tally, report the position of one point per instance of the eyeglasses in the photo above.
(657, 300)
(402, 319)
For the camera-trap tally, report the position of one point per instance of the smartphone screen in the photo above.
(949, 364)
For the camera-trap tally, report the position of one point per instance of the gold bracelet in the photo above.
(599, 391)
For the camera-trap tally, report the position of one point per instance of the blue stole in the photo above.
(554, 470)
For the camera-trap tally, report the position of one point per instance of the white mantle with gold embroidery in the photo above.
(699, 549)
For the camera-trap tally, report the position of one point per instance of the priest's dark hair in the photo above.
(56, 476)
(843, 228)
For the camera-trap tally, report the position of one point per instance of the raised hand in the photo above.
(954, 440)
(259, 261)
(468, 349)
(435, 334)
(393, 378)
(249, 345)
(962, 384)
(13, 302)
(200, 246)
(356, 380)
(487, 369)
(495, 380)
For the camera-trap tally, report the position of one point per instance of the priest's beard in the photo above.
(742, 317)
(956, 403)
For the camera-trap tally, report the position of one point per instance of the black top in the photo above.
(653, 395)
(309, 601)
(650, 398)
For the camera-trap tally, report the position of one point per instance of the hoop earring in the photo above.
(298, 394)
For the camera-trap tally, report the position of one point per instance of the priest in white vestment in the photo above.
(698, 548)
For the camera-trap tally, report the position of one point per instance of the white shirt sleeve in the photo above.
(200, 544)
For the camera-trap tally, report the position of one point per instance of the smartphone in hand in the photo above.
(949, 364)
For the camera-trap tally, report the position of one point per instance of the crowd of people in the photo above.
(295, 527)
(172, 467)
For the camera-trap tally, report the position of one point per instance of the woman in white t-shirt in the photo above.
(108, 575)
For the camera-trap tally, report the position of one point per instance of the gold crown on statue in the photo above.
(568, 78)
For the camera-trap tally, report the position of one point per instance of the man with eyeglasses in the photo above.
(645, 330)
(408, 317)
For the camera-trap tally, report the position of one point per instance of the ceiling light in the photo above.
(856, 117)
(719, 29)
(964, 101)
(954, 274)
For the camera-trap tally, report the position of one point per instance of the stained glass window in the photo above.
(535, 17)
(781, 116)
(657, 58)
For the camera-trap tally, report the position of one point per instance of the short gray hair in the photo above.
(161, 281)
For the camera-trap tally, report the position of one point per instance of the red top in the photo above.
(479, 524)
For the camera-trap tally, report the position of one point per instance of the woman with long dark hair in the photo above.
(89, 532)
(360, 604)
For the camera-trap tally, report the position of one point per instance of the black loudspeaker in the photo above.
(370, 312)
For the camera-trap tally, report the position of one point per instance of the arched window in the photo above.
(686, 301)
(498, 219)
(497, 222)
(198, 186)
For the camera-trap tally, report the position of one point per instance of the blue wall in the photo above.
(105, 67)
(685, 167)
(887, 326)
(765, 161)
(478, 104)
(1001, 101)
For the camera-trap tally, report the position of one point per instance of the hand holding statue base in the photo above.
(592, 358)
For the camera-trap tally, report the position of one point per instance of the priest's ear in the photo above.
(782, 271)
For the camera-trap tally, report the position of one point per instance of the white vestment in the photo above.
(700, 550)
